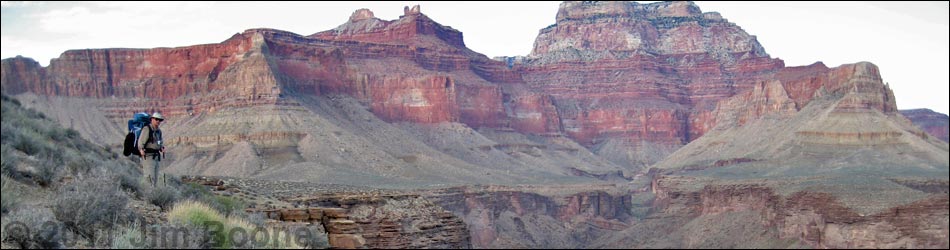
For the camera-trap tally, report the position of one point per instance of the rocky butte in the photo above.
(628, 125)
(935, 124)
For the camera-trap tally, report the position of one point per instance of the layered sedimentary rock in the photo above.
(536, 217)
(810, 218)
(819, 156)
(642, 77)
(351, 217)
(804, 147)
(935, 124)
(648, 88)
(381, 221)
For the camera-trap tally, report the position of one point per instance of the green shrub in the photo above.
(29, 142)
(223, 228)
(199, 214)
(72, 134)
(226, 205)
(194, 191)
(91, 205)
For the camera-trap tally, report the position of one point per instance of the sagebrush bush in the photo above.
(11, 99)
(31, 143)
(91, 205)
(128, 176)
(78, 164)
(35, 228)
(49, 170)
(226, 205)
(163, 197)
(9, 197)
(129, 237)
(8, 160)
(194, 191)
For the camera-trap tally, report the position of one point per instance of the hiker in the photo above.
(151, 149)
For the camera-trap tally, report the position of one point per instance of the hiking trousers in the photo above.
(151, 170)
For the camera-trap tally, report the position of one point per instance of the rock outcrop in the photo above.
(536, 217)
(351, 217)
(811, 218)
(410, 28)
(641, 77)
(935, 124)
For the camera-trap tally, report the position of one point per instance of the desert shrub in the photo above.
(81, 163)
(91, 205)
(32, 228)
(10, 196)
(30, 142)
(12, 100)
(49, 170)
(8, 160)
(132, 184)
(56, 134)
(129, 237)
(163, 197)
(72, 134)
(8, 131)
(127, 174)
(194, 191)
(226, 205)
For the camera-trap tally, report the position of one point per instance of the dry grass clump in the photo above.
(230, 232)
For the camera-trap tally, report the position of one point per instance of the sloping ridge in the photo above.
(848, 136)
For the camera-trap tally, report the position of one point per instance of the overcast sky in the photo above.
(908, 41)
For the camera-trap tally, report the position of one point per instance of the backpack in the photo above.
(130, 146)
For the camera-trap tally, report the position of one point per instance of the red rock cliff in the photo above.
(931, 122)
(644, 74)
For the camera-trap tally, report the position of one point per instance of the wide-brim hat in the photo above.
(158, 116)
